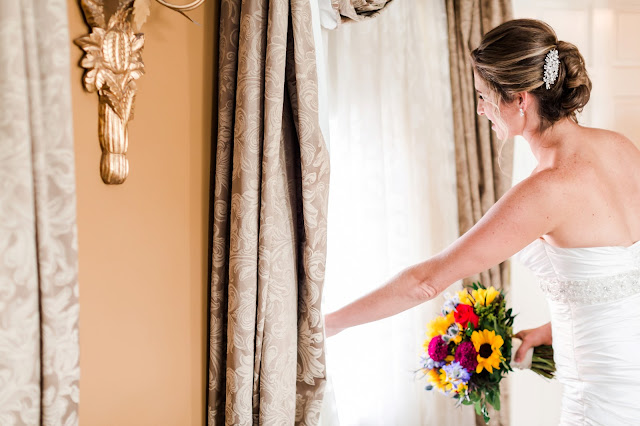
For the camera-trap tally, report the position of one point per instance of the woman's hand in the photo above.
(533, 337)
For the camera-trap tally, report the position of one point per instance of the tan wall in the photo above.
(143, 244)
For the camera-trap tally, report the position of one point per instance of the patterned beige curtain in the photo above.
(266, 363)
(39, 368)
(357, 10)
(481, 177)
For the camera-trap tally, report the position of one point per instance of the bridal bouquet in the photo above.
(469, 347)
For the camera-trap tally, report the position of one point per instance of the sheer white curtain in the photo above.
(392, 203)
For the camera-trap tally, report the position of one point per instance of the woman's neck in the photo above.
(555, 141)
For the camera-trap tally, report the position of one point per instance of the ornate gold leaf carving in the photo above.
(141, 10)
(93, 12)
(113, 60)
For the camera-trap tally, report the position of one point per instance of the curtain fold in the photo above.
(484, 171)
(39, 368)
(270, 189)
(358, 10)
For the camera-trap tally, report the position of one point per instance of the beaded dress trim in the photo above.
(591, 291)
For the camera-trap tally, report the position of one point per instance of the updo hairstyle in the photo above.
(511, 59)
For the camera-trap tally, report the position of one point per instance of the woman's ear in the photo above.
(523, 99)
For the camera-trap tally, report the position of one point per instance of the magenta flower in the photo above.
(466, 355)
(438, 349)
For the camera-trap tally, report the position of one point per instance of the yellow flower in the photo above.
(435, 377)
(485, 297)
(464, 297)
(488, 345)
(445, 384)
(439, 325)
(461, 388)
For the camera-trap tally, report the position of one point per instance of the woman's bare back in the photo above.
(602, 174)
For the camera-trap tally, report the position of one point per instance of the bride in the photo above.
(574, 222)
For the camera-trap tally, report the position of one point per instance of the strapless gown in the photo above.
(594, 299)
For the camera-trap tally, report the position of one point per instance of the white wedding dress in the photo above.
(594, 299)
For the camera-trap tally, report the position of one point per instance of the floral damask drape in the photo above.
(357, 10)
(483, 170)
(39, 370)
(269, 199)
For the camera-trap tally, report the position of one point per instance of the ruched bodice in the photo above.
(594, 299)
(549, 262)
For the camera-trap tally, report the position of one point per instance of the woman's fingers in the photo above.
(524, 347)
(522, 350)
(531, 338)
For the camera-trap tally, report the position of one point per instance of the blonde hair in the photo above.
(510, 59)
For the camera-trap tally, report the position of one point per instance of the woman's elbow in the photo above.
(426, 291)
(425, 283)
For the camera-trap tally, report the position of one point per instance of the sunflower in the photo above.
(488, 345)
(485, 296)
(439, 325)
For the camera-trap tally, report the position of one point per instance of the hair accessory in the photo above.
(551, 65)
(521, 112)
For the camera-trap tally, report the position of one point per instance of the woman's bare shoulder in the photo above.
(615, 153)
(605, 135)
(548, 186)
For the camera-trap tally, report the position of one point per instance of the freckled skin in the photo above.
(595, 169)
(584, 192)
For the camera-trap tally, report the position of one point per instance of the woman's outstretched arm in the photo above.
(528, 210)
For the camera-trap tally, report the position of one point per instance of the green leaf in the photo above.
(495, 400)
(496, 376)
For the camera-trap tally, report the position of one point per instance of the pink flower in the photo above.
(438, 349)
(466, 355)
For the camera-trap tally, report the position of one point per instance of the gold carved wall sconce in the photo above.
(113, 63)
